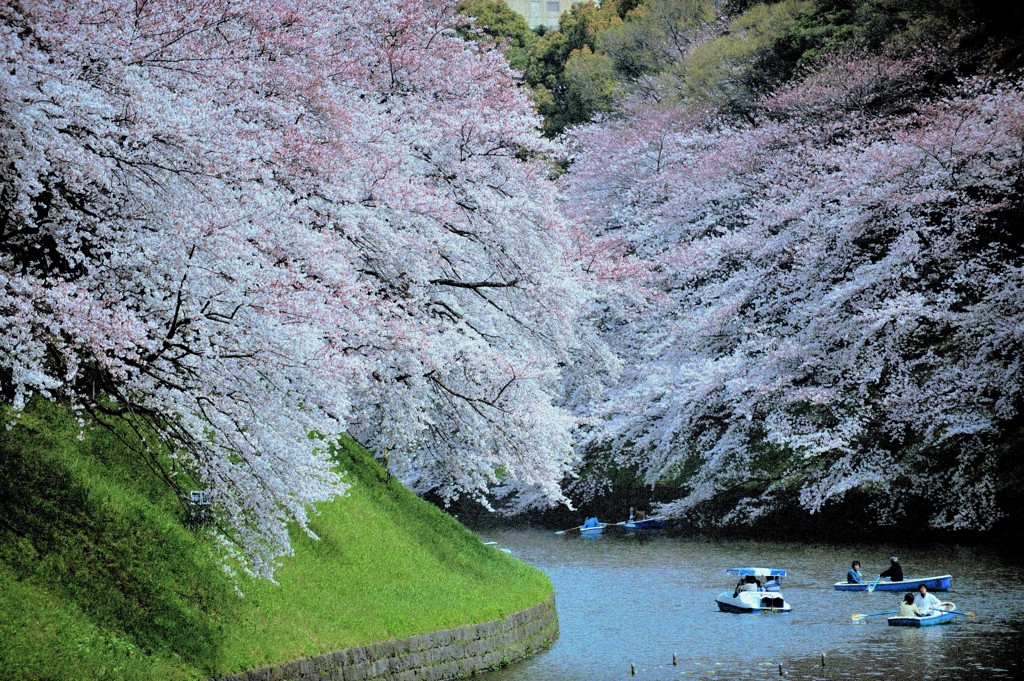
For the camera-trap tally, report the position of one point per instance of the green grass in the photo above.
(101, 579)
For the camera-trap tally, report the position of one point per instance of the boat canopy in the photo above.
(756, 572)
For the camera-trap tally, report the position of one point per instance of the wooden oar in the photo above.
(871, 589)
(602, 526)
(856, 617)
(954, 612)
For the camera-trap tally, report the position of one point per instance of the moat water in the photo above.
(636, 599)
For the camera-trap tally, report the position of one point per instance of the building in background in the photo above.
(541, 12)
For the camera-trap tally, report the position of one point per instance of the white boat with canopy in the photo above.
(756, 591)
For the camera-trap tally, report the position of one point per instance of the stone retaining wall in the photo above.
(437, 656)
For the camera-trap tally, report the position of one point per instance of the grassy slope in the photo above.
(102, 581)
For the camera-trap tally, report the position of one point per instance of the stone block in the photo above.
(447, 654)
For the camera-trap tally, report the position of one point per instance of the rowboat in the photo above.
(655, 523)
(936, 616)
(592, 527)
(940, 583)
(748, 596)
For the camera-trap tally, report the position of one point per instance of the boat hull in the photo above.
(729, 607)
(592, 531)
(940, 583)
(752, 601)
(927, 621)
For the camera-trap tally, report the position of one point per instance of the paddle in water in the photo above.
(857, 616)
(581, 527)
(954, 612)
(871, 589)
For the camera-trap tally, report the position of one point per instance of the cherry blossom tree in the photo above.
(835, 290)
(251, 226)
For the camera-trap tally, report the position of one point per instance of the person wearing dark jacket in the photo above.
(895, 571)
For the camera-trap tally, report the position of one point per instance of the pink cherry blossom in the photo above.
(835, 289)
(245, 222)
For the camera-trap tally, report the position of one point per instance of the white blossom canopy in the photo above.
(836, 291)
(247, 223)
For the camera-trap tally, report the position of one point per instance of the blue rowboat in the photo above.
(592, 527)
(655, 523)
(940, 583)
(930, 620)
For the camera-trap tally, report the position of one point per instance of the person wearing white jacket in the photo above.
(924, 601)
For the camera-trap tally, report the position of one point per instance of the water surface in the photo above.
(637, 599)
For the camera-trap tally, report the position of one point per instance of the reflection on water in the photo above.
(626, 599)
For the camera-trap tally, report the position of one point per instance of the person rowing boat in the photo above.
(895, 571)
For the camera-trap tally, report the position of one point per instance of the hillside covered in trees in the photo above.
(767, 254)
(824, 197)
(254, 227)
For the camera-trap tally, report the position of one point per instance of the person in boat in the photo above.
(630, 514)
(895, 571)
(748, 583)
(641, 514)
(854, 576)
(924, 601)
(907, 607)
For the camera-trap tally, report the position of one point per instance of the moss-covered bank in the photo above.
(103, 580)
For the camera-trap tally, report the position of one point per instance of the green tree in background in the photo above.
(725, 53)
(735, 68)
(562, 99)
(591, 85)
(657, 35)
(502, 23)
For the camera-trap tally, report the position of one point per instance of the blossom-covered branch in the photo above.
(248, 222)
(836, 288)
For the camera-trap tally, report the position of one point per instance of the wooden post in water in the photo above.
(823, 660)
(780, 669)
(674, 663)
(632, 669)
